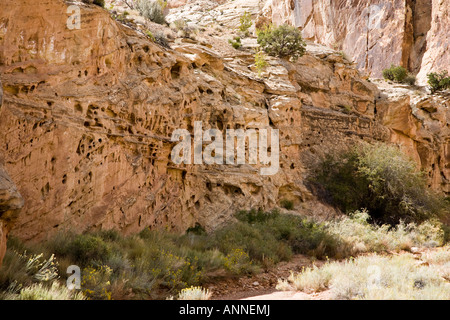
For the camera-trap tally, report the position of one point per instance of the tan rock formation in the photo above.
(374, 33)
(10, 202)
(89, 114)
(420, 123)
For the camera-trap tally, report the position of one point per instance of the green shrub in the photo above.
(399, 74)
(197, 229)
(283, 42)
(380, 178)
(256, 216)
(235, 43)
(13, 272)
(439, 81)
(151, 10)
(41, 291)
(86, 249)
(395, 73)
(360, 236)
(260, 62)
(246, 23)
(287, 204)
(100, 3)
(273, 236)
(410, 79)
(238, 261)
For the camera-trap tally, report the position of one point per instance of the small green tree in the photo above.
(395, 73)
(439, 81)
(246, 23)
(283, 41)
(260, 62)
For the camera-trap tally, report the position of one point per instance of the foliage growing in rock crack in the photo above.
(439, 81)
(245, 23)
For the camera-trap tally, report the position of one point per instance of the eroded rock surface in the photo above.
(10, 202)
(88, 117)
(374, 33)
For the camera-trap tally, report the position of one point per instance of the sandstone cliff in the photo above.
(415, 34)
(10, 202)
(88, 116)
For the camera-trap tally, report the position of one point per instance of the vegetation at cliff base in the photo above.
(381, 179)
(157, 264)
(376, 277)
(399, 74)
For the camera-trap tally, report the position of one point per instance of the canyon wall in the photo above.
(88, 116)
(10, 202)
(375, 33)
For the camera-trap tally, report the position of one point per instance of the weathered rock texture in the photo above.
(375, 33)
(10, 202)
(88, 116)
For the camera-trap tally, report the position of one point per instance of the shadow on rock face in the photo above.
(11, 202)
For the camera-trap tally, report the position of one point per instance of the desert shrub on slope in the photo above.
(381, 179)
(283, 41)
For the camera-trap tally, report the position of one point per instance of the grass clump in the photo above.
(438, 81)
(235, 42)
(245, 23)
(156, 264)
(270, 237)
(310, 280)
(381, 179)
(399, 74)
(373, 278)
(361, 237)
(287, 204)
(194, 293)
(41, 291)
(152, 10)
(395, 73)
(283, 41)
(260, 62)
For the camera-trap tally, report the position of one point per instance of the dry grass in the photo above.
(194, 293)
(374, 277)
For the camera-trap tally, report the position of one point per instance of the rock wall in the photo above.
(10, 202)
(374, 33)
(88, 115)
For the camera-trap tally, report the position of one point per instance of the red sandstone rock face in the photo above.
(88, 116)
(10, 202)
(374, 33)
